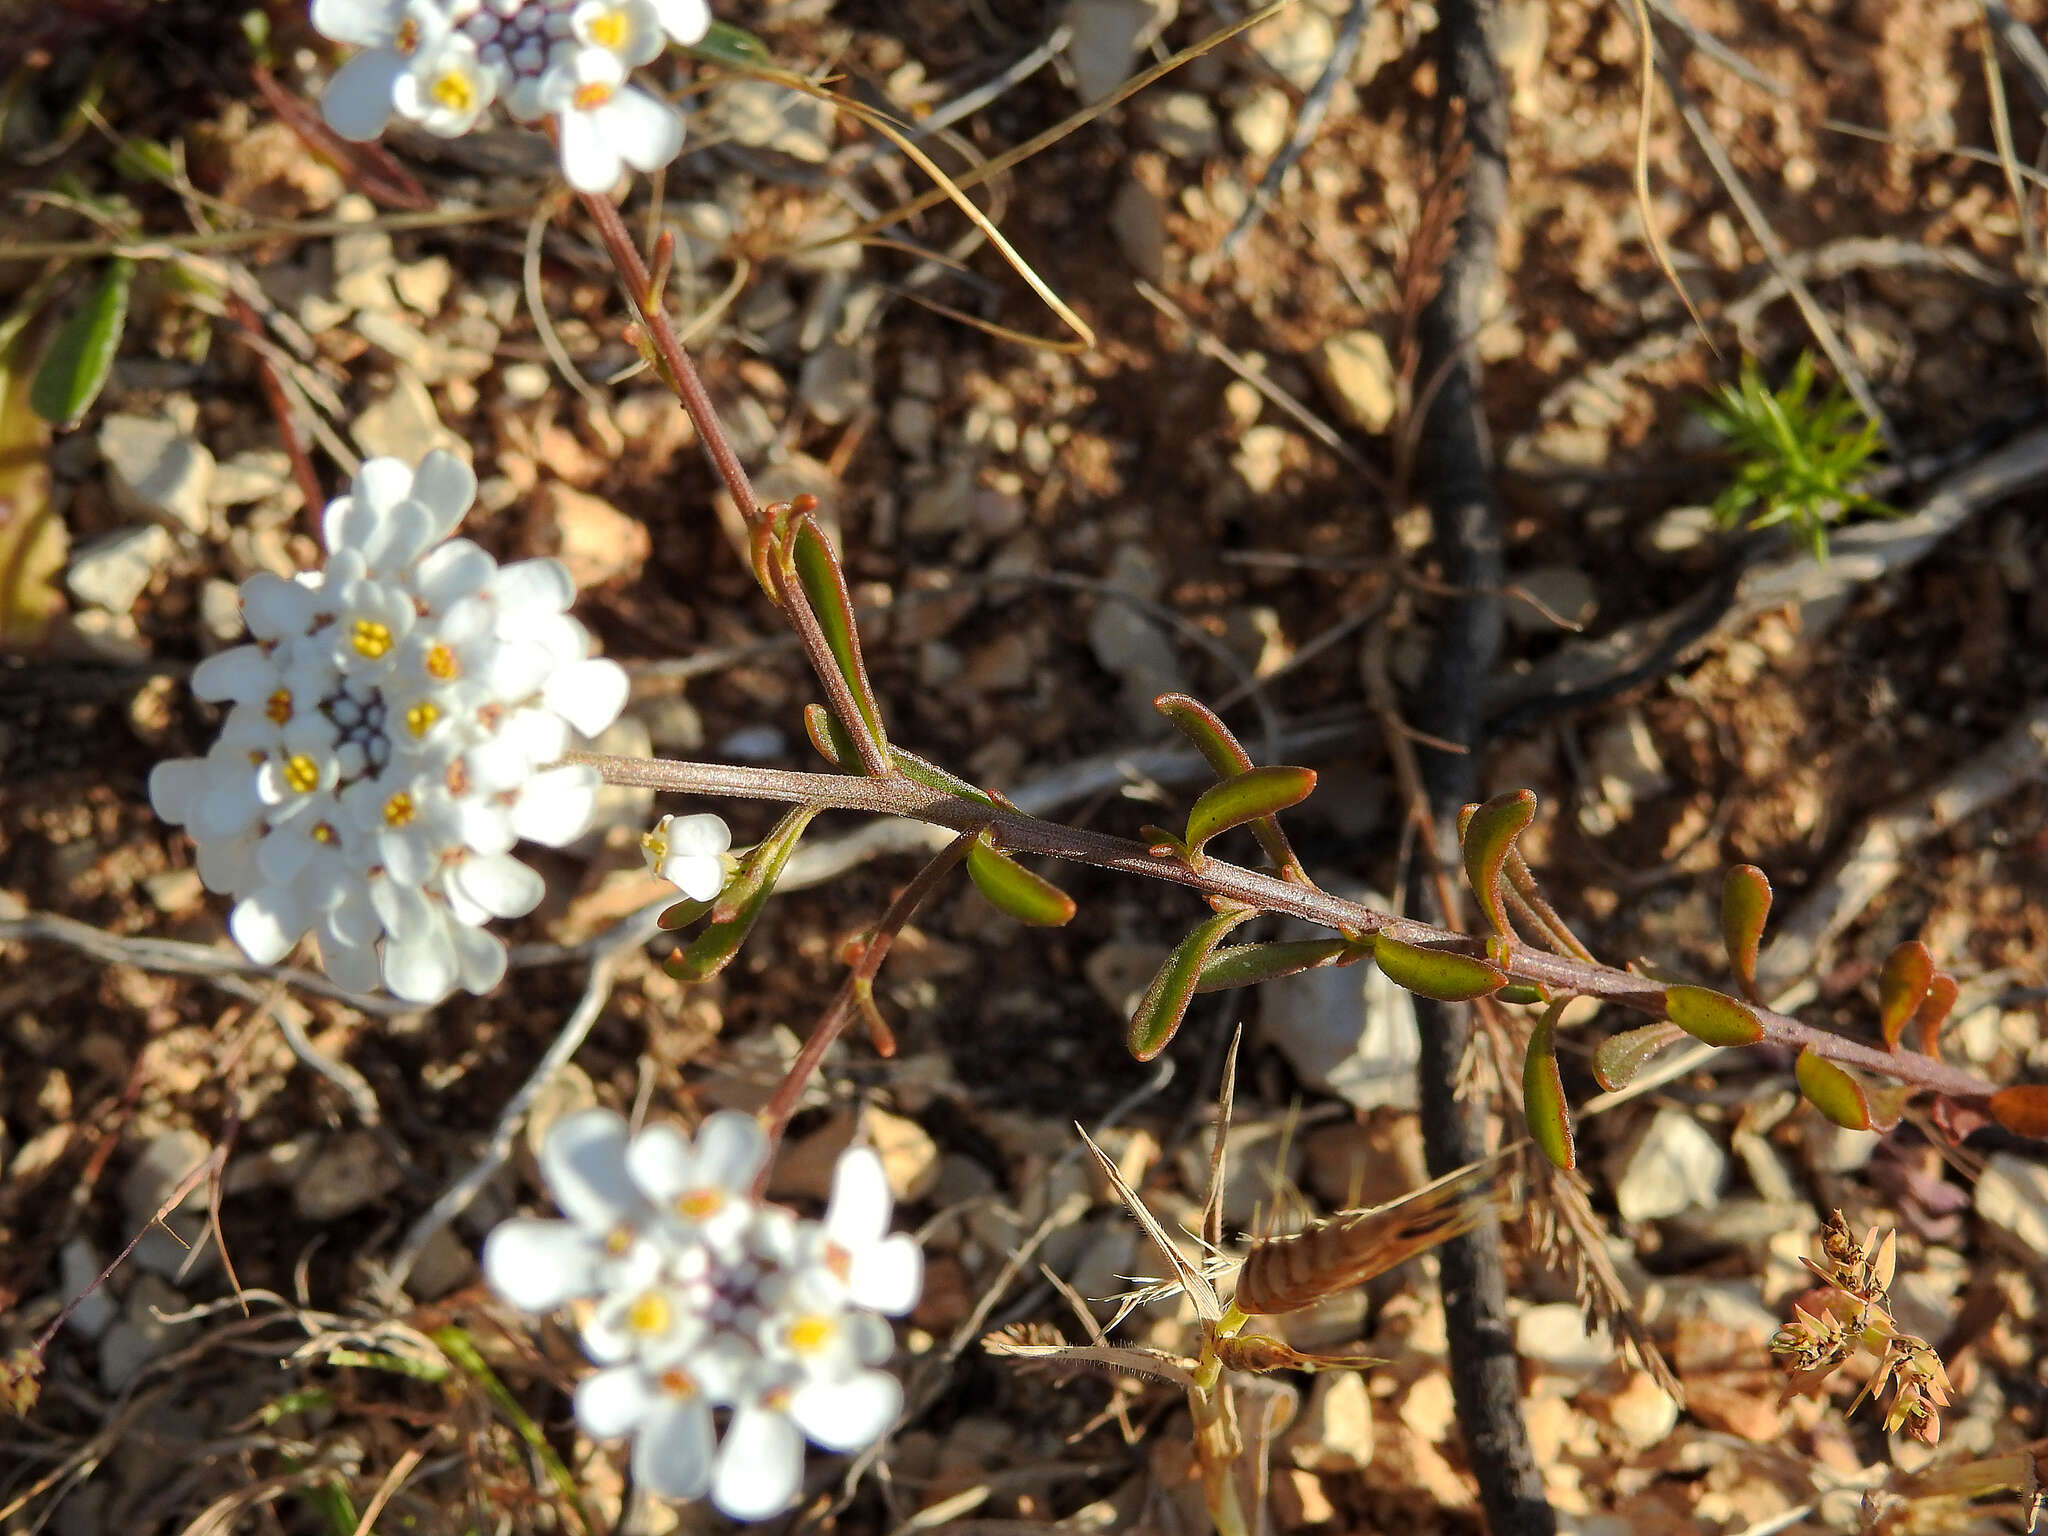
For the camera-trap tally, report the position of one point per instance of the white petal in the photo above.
(731, 1147)
(358, 101)
(420, 967)
(446, 485)
(850, 1414)
(229, 868)
(480, 959)
(760, 1466)
(649, 131)
(268, 923)
(359, 23)
(227, 808)
(175, 785)
(888, 1276)
(583, 1161)
(699, 834)
(673, 1449)
(500, 884)
(610, 1403)
(243, 674)
(274, 608)
(354, 966)
(483, 828)
(555, 807)
(451, 572)
(858, 1213)
(588, 694)
(659, 1160)
(590, 159)
(537, 1266)
(542, 584)
(684, 20)
(541, 734)
(699, 878)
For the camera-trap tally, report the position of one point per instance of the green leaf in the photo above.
(1436, 973)
(1521, 992)
(740, 904)
(1712, 1016)
(32, 534)
(824, 584)
(1933, 1012)
(1227, 758)
(1833, 1090)
(75, 367)
(1550, 1121)
(835, 744)
(1255, 793)
(1745, 904)
(725, 43)
(1012, 888)
(1902, 987)
(1165, 1002)
(1620, 1057)
(1246, 965)
(461, 1349)
(1487, 835)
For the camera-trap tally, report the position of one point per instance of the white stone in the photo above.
(1358, 377)
(404, 424)
(78, 1265)
(251, 475)
(1180, 122)
(763, 115)
(1105, 38)
(348, 1173)
(1296, 44)
(1674, 1162)
(1138, 220)
(1350, 1032)
(115, 569)
(1555, 1334)
(2012, 1193)
(1260, 121)
(156, 471)
(141, 1335)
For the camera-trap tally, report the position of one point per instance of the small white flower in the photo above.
(689, 853)
(695, 1297)
(606, 124)
(392, 734)
(684, 20)
(361, 97)
(446, 89)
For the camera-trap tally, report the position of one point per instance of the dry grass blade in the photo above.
(1285, 1274)
(1564, 1227)
(1226, 1096)
(1103, 1357)
(1196, 1284)
(1644, 108)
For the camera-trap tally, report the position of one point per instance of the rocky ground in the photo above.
(1210, 497)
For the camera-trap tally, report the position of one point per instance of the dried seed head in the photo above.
(1285, 1274)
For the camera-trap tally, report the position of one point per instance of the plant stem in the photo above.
(1016, 832)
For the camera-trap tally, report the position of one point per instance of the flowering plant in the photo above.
(693, 1296)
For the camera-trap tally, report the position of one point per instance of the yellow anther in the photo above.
(279, 706)
(301, 774)
(590, 97)
(442, 665)
(399, 810)
(322, 832)
(454, 91)
(677, 1383)
(421, 717)
(650, 1314)
(618, 1240)
(370, 638)
(611, 31)
(697, 1204)
(810, 1333)
(408, 38)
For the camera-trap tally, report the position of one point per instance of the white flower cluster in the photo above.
(692, 1296)
(390, 739)
(441, 63)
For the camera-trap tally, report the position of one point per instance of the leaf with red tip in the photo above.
(1833, 1090)
(1436, 973)
(1011, 888)
(1487, 836)
(2022, 1110)
(1250, 796)
(1165, 1002)
(1522, 992)
(1620, 1057)
(1902, 988)
(1227, 758)
(1246, 965)
(1933, 1012)
(1745, 904)
(1550, 1121)
(740, 904)
(824, 584)
(1712, 1016)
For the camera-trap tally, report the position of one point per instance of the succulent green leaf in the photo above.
(1012, 888)
(1833, 1090)
(1933, 1012)
(1251, 795)
(1227, 758)
(1245, 965)
(683, 913)
(1745, 904)
(1620, 1057)
(2022, 1110)
(1487, 835)
(725, 43)
(1712, 1016)
(740, 904)
(833, 741)
(824, 584)
(1550, 1121)
(1902, 987)
(81, 355)
(1521, 992)
(1165, 1002)
(1436, 973)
